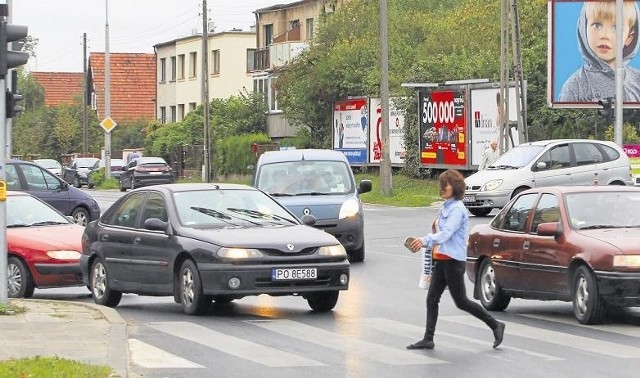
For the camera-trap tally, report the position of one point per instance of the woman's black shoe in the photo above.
(498, 333)
(422, 344)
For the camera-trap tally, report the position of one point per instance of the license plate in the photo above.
(155, 173)
(469, 199)
(294, 274)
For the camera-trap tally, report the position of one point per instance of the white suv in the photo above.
(546, 163)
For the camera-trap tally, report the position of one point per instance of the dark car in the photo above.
(320, 183)
(79, 171)
(39, 182)
(574, 243)
(43, 246)
(204, 242)
(145, 171)
(117, 167)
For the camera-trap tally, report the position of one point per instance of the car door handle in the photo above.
(137, 240)
(496, 243)
(526, 244)
(104, 237)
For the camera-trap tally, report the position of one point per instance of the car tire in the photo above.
(76, 182)
(20, 282)
(357, 255)
(100, 288)
(194, 302)
(91, 185)
(81, 216)
(491, 295)
(480, 212)
(588, 307)
(323, 301)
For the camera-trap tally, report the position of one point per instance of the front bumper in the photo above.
(491, 199)
(256, 279)
(348, 231)
(619, 288)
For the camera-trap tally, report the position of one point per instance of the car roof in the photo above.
(303, 154)
(558, 141)
(186, 187)
(584, 189)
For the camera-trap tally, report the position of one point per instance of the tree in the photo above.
(66, 129)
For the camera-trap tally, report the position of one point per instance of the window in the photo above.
(610, 153)
(173, 68)
(163, 70)
(294, 24)
(251, 59)
(215, 62)
(266, 86)
(13, 182)
(587, 153)
(546, 211)
(163, 114)
(155, 208)
(516, 217)
(127, 213)
(557, 157)
(192, 106)
(173, 114)
(181, 112)
(268, 35)
(193, 64)
(181, 67)
(273, 95)
(309, 28)
(38, 179)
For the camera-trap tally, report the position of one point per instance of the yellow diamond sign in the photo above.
(108, 124)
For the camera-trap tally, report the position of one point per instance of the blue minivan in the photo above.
(318, 183)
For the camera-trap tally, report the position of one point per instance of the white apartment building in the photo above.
(179, 71)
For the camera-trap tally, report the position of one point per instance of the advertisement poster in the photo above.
(633, 151)
(397, 150)
(350, 129)
(485, 125)
(582, 51)
(443, 129)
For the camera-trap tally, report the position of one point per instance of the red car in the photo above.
(577, 244)
(43, 246)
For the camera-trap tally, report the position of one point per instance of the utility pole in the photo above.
(619, 74)
(385, 163)
(9, 84)
(107, 96)
(205, 91)
(85, 97)
(4, 285)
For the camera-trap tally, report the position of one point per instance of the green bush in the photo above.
(97, 177)
(234, 154)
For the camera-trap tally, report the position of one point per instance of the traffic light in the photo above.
(606, 110)
(12, 97)
(9, 58)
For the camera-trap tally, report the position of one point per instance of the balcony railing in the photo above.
(277, 55)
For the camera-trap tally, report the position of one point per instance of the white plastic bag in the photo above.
(425, 269)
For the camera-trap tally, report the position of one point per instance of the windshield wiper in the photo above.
(505, 166)
(214, 213)
(46, 223)
(597, 226)
(259, 214)
(312, 194)
(276, 194)
(18, 225)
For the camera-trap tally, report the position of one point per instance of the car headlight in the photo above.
(349, 208)
(332, 250)
(626, 261)
(492, 185)
(64, 255)
(239, 253)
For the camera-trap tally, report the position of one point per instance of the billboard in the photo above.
(397, 150)
(443, 129)
(485, 125)
(350, 129)
(582, 45)
(633, 151)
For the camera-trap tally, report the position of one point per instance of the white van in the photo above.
(546, 163)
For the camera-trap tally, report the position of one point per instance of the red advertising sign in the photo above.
(443, 129)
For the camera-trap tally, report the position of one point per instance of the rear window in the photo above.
(610, 153)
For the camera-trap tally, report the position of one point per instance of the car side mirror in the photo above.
(550, 229)
(541, 166)
(250, 168)
(64, 185)
(308, 219)
(155, 224)
(365, 186)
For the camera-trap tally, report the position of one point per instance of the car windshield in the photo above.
(229, 208)
(517, 157)
(48, 163)
(305, 178)
(152, 161)
(86, 163)
(587, 210)
(26, 211)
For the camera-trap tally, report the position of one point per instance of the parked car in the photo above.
(204, 242)
(43, 246)
(319, 183)
(117, 167)
(33, 179)
(52, 165)
(79, 171)
(573, 243)
(145, 171)
(546, 163)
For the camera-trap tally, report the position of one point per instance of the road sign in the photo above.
(108, 124)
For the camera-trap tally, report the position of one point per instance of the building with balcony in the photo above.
(282, 32)
(179, 70)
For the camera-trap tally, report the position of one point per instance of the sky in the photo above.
(134, 25)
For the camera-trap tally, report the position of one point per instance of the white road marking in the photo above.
(622, 329)
(150, 357)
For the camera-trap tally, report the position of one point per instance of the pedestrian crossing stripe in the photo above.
(620, 329)
(150, 357)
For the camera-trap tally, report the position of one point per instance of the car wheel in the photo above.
(80, 216)
(91, 185)
(100, 288)
(588, 307)
(323, 301)
(491, 295)
(19, 278)
(120, 186)
(357, 255)
(194, 302)
(76, 182)
(480, 212)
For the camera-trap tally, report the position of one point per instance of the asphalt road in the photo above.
(366, 334)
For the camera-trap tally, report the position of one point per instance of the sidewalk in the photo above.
(78, 331)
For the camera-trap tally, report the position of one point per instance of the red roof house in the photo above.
(60, 87)
(132, 89)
